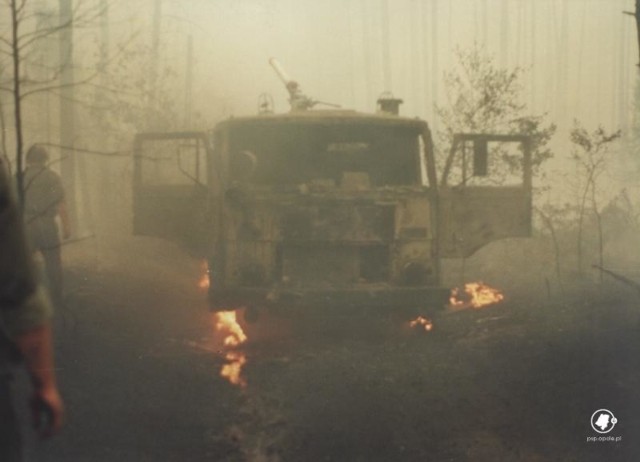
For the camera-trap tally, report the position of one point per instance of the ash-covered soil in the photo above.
(139, 368)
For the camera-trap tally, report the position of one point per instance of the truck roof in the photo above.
(326, 117)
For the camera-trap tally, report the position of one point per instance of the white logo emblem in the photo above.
(603, 421)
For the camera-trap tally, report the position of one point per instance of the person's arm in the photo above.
(28, 326)
(64, 219)
(35, 344)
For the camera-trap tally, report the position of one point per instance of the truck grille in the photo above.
(333, 265)
(339, 223)
(336, 244)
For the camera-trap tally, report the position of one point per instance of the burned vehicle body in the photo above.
(324, 208)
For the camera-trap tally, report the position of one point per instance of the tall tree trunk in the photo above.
(582, 211)
(17, 100)
(556, 246)
(3, 139)
(67, 111)
(637, 16)
(596, 212)
(152, 120)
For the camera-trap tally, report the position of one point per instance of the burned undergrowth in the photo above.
(517, 381)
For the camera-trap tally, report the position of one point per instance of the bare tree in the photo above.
(485, 98)
(591, 153)
(18, 46)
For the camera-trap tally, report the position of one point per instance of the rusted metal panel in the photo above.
(474, 217)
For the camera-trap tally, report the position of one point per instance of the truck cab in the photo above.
(324, 208)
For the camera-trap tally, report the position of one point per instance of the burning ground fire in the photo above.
(476, 295)
(226, 327)
(426, 323)
(226, 324)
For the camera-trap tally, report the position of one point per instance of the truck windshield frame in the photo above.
(290, 153)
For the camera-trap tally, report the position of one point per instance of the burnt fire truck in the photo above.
(326, 208)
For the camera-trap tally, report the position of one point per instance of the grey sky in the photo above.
(580, 55)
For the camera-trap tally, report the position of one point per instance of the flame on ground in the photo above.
(476, 295)
(423, 322)
(232, 370)
(203, 282)
(226, 324)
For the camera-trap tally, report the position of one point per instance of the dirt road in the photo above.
(139, 367)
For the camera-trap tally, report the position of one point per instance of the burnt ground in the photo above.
(138, 365)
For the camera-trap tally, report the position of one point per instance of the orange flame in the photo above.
(232, 370)
(477, 295)
(203, 282)
(226, 323)
(426, 323)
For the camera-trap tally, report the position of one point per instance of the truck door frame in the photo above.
(452, 197)
(142, 194)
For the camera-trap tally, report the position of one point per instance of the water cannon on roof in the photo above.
(297, 99)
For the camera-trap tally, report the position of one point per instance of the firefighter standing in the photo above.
(43, 201)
